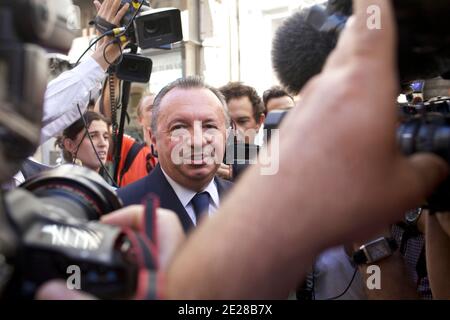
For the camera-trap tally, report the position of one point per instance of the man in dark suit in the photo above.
(189, 133)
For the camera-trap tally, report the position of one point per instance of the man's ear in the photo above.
(153, 146)
(69, 145)
(150, 134)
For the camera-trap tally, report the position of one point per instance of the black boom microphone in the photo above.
(303, 43)
(299, 51)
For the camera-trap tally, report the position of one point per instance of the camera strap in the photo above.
(145, 244)
(103, 26)
(131, 156)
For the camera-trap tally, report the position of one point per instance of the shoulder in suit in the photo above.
(157, 184)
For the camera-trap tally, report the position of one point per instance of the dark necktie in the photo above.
(200, 202)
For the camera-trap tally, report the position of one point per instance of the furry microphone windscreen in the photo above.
(299, 52)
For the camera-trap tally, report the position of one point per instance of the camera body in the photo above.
(27, 27)
(134, 68)
(424, 41)
(146, 28)
(51, 244)
(50, 229)
(152, 28)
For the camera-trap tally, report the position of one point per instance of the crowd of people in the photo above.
(344, 197)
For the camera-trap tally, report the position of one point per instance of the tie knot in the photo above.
(200, 202)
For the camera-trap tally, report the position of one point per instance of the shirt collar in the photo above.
(185, 195)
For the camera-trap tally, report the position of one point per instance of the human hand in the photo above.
(437, 249)
(170, 238)
(444, 221)
(225, 171)
(109, 11)
(341, 176)
(351, 109)
(170, 232)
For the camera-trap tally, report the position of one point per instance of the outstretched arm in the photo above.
(72, 88)
(341, 176)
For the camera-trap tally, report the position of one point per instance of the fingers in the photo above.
(170, 236)
(224, 171)
(108, 10)
(429, 171)
(130, 217)
(57, 290)
(444, 220)
(374, 28)
(97, 5)
(121, 14)
(111, 13)
(370, 35)
(170, 231)
(102, 11)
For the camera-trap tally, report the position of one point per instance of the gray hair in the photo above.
(193, 82)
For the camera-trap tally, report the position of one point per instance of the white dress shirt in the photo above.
(259, 138)
(185, 196)
(62, 96)
(64, 93)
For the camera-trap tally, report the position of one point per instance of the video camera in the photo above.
(424, 40)
(146, 28)
(49, 225)
(152, 28)
(423, 53)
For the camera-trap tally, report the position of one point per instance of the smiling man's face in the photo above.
(190, 137)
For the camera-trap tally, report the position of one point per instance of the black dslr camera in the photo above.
(49, 225)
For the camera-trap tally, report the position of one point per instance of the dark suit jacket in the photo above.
(156, 183)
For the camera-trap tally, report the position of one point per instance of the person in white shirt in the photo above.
(68, 94)
(71, 90)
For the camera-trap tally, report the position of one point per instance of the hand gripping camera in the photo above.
(147, 27)
(423, 53)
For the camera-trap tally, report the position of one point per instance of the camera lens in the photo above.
(77, 192)
(426, 134)
(157, 27)
(151, 28)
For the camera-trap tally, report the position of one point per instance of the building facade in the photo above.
(223, 40)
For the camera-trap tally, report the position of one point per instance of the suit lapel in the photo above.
(158, 184)
(168, 198)
(222, 187)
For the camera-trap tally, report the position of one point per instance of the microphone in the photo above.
(299, 51)
(303, 43)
